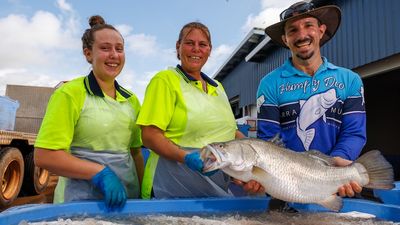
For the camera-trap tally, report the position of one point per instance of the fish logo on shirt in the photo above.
(310, 111)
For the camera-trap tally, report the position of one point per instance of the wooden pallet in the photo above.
(6, 137)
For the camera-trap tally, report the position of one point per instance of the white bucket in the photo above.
(8, 111)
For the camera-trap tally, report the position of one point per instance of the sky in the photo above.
(41, 46)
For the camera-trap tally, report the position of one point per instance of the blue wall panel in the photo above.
(370, 31)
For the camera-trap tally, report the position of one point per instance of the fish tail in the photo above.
(379, 170)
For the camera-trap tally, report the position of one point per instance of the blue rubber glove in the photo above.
(111, 187)
(193, 161)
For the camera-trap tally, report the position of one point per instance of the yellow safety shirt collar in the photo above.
(93, 88)
(190, 78)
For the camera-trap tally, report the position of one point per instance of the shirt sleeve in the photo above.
(268, 124)
(353, 134)
(57, 129)
(158, 105)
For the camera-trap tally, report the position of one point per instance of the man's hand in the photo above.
(351, 188)
(251, 187)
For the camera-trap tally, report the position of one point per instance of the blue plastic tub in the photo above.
(389, 196)
(212, 206)
(41, 212)
(8, 112)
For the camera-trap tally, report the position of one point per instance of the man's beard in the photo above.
(305, 56)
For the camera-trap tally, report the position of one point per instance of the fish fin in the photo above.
(321, 157)
(259, 173)
(324, 117)
(379, 170)
(333, 202)
(277, 140)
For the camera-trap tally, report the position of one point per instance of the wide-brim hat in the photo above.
(330, 15)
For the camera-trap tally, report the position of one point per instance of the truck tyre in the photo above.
(35, 178)
(11, 174)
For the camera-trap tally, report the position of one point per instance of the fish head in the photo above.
(213, 158)
(233, 155)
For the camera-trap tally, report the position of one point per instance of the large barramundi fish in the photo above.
(303, 177)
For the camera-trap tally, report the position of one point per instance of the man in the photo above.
(311, 103)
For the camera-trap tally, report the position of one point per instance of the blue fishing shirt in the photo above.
(324, 112)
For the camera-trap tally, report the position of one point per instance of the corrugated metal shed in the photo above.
(370, 31)
(33, 102)
(252, 39)
(244, 79)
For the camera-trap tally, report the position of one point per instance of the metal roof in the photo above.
(253, 38)
(367, 44)
(260, 51)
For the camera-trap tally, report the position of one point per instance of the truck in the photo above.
(18, 173)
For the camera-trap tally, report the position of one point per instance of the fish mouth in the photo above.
(213, 159)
